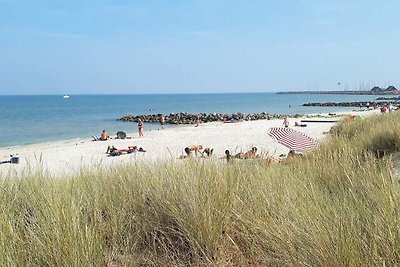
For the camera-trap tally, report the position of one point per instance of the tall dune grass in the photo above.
(338, 206)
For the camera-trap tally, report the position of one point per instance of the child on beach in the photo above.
(140, 127)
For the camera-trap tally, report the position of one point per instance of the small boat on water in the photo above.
(66, 96)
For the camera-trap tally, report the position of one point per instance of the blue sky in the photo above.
(171, 46)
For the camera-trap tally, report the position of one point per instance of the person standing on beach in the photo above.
(285, 122)
(140, 127)
(162, 121)
(197, 120)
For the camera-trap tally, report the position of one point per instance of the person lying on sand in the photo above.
(232, 120)
(290, 156)
(300, 124)
(271, 160)
(251, 154)
(113, 151)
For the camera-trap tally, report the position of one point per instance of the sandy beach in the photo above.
(70, 156)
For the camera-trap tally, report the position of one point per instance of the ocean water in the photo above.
(35, 119)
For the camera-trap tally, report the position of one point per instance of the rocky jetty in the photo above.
(346, 104)
(388, 98)
(187, 118)
(390, 90)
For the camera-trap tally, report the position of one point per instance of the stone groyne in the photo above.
(388, 98)
(187, 118)
(348, 104)
(374, 91)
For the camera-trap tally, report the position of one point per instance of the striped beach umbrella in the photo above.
(292, 139)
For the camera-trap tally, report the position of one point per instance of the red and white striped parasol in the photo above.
(292, 139)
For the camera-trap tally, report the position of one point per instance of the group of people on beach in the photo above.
(387, 108)
(140, 125)
(194, 151)
(197, 150)
(189, 151)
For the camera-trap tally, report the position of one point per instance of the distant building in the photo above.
(377, 89)
(391, 90)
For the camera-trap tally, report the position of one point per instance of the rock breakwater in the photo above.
(187, 118)
(388, 98)
(347, 104)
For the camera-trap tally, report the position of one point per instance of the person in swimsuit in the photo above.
(104, 136)
(162, 121)
(207, 152)
(140, 127)
(228, 155)
(251, 154)
(188, 153)
(285, 122)
(196, 148)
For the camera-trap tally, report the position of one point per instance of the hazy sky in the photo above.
(120, 46)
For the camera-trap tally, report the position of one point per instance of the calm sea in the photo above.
(35, 119)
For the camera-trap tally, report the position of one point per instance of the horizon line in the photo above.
(167, 93)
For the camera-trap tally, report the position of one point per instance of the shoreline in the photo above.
(155, 126)
(66, 157)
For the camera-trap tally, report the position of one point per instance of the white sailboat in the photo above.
(66, 96)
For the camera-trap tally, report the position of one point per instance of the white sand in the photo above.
(68, 157)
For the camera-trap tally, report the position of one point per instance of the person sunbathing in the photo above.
(103, 137)
(270, 160)
(251, 154)
(113, 151)
(290, 156)
(232, 120)
(300, 124)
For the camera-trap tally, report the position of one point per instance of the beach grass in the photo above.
(337, 206)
